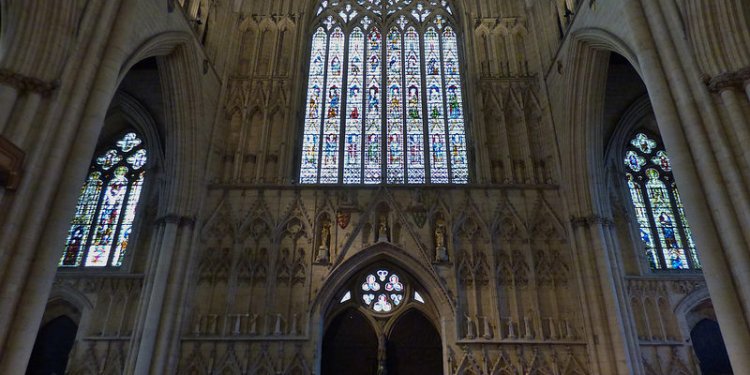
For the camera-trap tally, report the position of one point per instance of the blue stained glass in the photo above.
(395, 119)
(435, 107)
(394, 111)
(127, 221)
(329, 161)
(685, 226)
(354, 109)
(311, 138)
(414, 123)
(661, 217)
(372, 148)
(661, 207)
(641, 213)
(456, 128)
(106, 223)
(84, 216)
(105, 212)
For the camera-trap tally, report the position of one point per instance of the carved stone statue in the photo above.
(441, 253)
(382, 229)
(325, 242)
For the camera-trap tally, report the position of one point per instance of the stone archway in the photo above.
(350, 342)
(382, 321)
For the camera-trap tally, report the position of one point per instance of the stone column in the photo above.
(155, 293)
(35, 226)
(705, 168)
(607, 340)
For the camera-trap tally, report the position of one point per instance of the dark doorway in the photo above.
(709, 347)
(52, 347)
(350, 346)
(413, 347)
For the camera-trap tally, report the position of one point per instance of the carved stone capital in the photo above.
(588, 221)
(23, 83)
(180, 220)
(729, 80)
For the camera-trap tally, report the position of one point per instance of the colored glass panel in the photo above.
(662, 161)
(79, 230)
(643, 143)
(126, 225)
(454, 106)
(634, 161)
(106, 223)
(329, 164)
(372, 147)
(435, 107)
(395, 109)
(686, 227)
(414, 124)
(666, 227)
(393, 112)
(382, 291)
(641, 214)
(354, 109)
(105, 213)
(660, 214)
(314, 109)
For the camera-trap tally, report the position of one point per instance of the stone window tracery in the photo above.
(662, 225)
(101, 226)
(384, 97)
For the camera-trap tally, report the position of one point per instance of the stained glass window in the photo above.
(384, 95)
(382, 291)
(660, 215)
(103, 220)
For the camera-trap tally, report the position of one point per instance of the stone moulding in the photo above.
(27, 84)
(736, 79)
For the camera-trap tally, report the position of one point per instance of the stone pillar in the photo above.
(602, 308)
(60, 146)
(172, 236)
(705, 167)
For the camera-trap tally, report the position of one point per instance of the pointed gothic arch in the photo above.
(394, 321)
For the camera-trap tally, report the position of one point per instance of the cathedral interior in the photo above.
(459, 187)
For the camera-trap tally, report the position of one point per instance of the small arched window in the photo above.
(103, 220)
(663, 227)
(384, 99)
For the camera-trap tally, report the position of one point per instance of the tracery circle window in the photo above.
(384, 99)
(382, 291)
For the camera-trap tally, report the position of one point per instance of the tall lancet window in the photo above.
(662, 224)
(103, 220)
(384, 96)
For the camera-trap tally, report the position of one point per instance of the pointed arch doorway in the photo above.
(381, 323)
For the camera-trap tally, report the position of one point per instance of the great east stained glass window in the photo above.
(384, 99)
(103, 220)
(659, 212)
